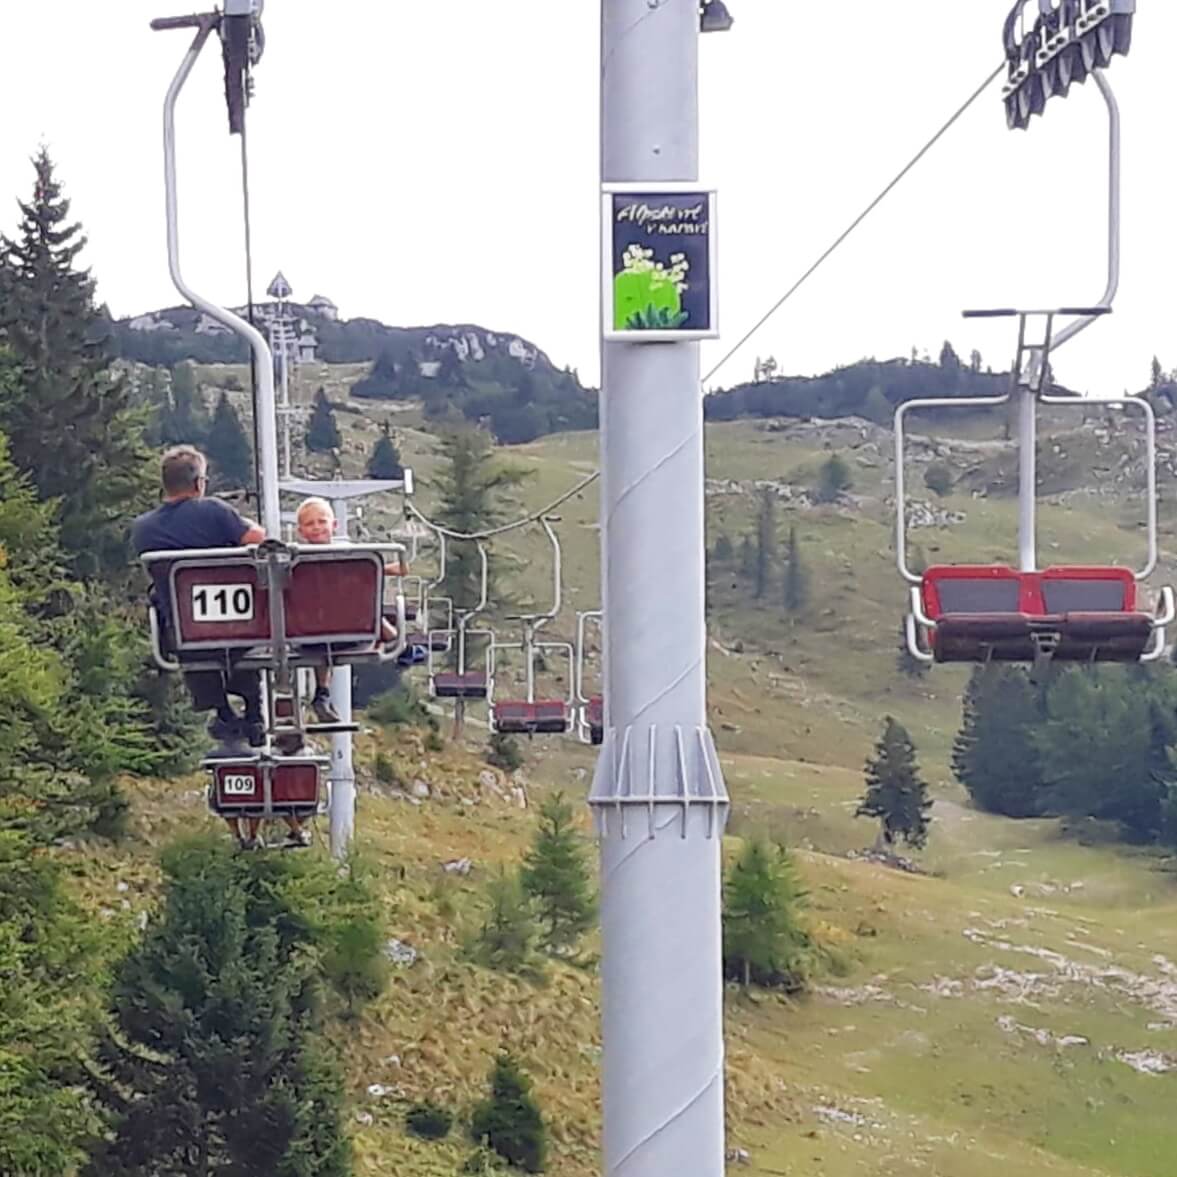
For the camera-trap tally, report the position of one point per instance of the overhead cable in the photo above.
(535, 517)
(858, 220)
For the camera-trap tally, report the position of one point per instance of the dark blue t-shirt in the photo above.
(188, 523)
(185, 523)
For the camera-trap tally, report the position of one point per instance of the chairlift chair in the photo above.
(463, 682)
(265, 786)
(1086, 613)
(1075, 613)
(552, 715)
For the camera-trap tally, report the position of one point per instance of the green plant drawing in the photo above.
(647, 295)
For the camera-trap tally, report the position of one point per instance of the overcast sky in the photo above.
(435, 161)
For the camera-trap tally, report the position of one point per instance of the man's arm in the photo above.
(253, 534)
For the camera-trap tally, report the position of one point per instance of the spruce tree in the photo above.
(796, 577)
(1097, 747)
(556, 876)
(214, 1013)
(229, 452)
(183, 420)
(506, 940)
(509, 1120)
(723, 552)
(450, 370)
(895, 794)
(995, 755)
(763, 941)
(833, 478)
(748, 557)
(385, 460)
(474, 490)
(765, 541)
(322, 432)
(71, 425)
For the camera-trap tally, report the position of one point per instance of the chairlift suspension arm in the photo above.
(266, 418)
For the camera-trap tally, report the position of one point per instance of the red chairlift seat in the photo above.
(520, 717)
(449, 684)
(258, 786)
(982, 613)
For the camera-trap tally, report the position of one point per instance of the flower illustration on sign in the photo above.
(648, 295)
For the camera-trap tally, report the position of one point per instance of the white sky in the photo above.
(435, 161)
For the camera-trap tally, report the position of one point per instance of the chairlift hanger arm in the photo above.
(267, 424)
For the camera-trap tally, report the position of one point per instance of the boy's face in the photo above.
(316, 525)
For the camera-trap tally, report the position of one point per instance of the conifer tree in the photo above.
(408, 375)
(229, 452)
(763, 941)
(995, 755)
(509, 1120)
(215, 1011)
(1098, 745)
(506, 940)
(765, 541)
(70, 424)
(450, 370)
(183, 419)
(723, 552)
(748, 557)
(385, 459)
(474, 490)
(556, 876)
(796, 577)
(895, 794)
(833, 478)
(322, 431)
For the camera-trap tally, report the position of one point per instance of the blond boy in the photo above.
(316, 524)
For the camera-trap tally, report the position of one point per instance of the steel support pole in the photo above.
(343, 773)
(658, 794)
(1027, 477)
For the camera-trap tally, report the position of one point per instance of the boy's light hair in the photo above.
(316, 503)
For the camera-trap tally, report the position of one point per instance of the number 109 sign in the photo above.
(222, 602)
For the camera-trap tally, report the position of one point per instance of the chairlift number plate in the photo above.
(238, 784)
(222, 602)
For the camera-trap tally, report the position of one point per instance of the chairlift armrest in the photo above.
(1167, 607)
(196, 554)
(913, 646)
(917, 608)
(398, 647)
(999, 313)
(161, 659)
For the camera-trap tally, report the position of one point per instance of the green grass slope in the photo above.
(1015, 1009)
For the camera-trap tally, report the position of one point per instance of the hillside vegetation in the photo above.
(1016, 1006)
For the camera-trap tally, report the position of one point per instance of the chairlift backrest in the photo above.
(1088, 590)
(221, 599)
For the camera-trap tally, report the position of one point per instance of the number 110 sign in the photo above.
(222, 602)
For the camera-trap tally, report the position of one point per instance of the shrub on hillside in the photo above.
(503, 751)
(509, 1120)
(428, 1121)
(938, 478)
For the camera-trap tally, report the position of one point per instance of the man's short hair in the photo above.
(181, 468)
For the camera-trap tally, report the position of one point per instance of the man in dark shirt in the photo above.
(186, 519)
